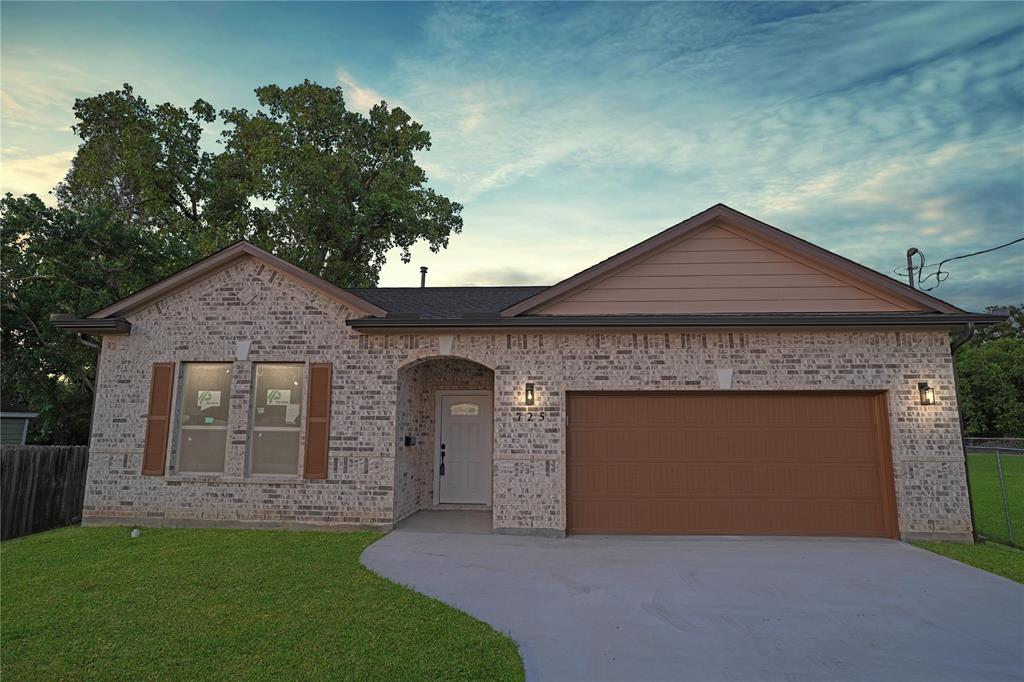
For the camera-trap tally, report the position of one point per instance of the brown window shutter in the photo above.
(158, 420)
(318, 420)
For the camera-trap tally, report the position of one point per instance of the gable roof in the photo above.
(846, 271)
(445, 302)
(223, 259)
(523, 307)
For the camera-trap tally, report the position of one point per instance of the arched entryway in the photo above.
(444, 435)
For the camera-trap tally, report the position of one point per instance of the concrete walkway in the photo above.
(644, 608)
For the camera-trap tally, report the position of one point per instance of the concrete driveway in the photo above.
(651, 608)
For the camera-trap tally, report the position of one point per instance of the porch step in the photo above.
(458, 507)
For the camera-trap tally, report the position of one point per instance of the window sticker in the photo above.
(291, 413)
(279, 396)
(208, 399)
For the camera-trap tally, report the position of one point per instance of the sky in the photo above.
(572, 131)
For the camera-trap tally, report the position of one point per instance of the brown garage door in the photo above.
(730, 463)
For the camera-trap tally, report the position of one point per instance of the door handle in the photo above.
(441, 470)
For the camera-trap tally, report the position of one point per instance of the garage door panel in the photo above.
(776, 517)
(751, 463)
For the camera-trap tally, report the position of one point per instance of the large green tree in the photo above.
(328, 189)
(142, 165)
(990, 370)
(325, 188)
(58, 261)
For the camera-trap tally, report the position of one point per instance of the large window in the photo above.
(203, 434)
(276, 419)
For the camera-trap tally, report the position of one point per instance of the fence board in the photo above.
(41, 487)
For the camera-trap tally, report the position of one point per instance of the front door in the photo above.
(463, 458)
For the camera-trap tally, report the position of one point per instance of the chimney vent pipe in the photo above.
(423, 276)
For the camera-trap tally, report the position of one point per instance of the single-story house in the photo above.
(722, 376)
(14, 423)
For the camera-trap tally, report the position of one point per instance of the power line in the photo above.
(939, 275)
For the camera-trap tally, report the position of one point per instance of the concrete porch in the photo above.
(458, 521)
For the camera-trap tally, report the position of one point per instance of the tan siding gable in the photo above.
(720, 269)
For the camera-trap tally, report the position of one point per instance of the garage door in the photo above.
(730, 463)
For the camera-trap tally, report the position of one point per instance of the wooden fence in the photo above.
(42, 487)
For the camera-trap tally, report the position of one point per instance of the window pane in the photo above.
(202, 439)
(276, 419)
(465, 410)
(206, 395)
(278, 399)
(275, 452)
(202, 450)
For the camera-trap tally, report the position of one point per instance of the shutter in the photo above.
(158, 420)
(318, 420)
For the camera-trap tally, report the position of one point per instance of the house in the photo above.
(14, 423)
(722, 376)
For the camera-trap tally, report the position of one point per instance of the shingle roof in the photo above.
(445, 302)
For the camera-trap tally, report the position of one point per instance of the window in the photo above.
(465, 410)
(203, 434)
(276, 419)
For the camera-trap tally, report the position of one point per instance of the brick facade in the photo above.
(381, 393)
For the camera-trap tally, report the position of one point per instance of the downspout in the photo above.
(954, 346)
(92, 407)
(86, 342)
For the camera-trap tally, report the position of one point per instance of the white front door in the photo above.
(463, 458)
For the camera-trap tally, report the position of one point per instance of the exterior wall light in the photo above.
(927, 393)
(529, 394)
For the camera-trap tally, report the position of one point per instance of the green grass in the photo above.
(92, 603)
(987, 500)
(994, 558)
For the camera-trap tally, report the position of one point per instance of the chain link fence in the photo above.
(996, 468)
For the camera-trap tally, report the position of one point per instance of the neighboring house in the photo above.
(720, 377)
(14, 423)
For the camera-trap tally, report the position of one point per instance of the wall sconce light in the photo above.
(529, 394)
(927, 393)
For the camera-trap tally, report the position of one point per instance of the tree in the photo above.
(55, 260)
(327, 189)
(1012, 327)
(991, 377)
(142, 165)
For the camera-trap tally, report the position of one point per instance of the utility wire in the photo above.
(941, 275)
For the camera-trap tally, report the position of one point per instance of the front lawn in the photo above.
(93, 603)
(994, 558)
(987, 500)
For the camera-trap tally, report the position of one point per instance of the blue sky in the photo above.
(572, 131)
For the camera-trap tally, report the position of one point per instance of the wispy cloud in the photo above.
(26, 174)
(356, 95)
(573, 130)
(881, 141)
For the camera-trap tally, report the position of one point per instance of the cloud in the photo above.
(356, 95)
(572, 130)
(20, 174)
(507, 276)
(904, 129)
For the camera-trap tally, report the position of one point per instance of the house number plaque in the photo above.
(530, 416)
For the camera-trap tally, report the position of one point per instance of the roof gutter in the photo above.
(937, 320)
(105, 326)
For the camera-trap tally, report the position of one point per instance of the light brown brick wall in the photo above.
(288, 322)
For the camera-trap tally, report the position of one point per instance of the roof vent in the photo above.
(423, 276)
